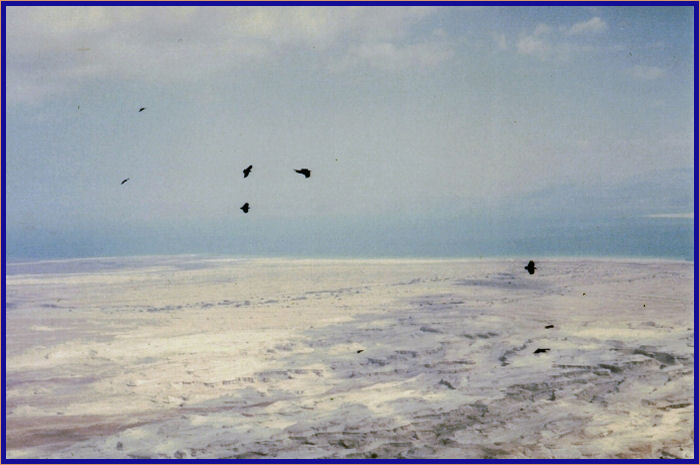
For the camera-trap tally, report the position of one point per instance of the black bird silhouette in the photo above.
(141, 109)
(246, 171)
(531, 267)
(539, 351)
(304, 171)
(549, 327)
(360, 351)
(125, 180)
(245, 207)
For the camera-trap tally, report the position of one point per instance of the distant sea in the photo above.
(639, 236)
(633, 237)
(651, 237)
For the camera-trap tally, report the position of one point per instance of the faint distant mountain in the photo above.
(659, 192)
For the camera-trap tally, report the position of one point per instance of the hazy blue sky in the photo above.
(429, 130)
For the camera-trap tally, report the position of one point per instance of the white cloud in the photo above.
(594, 25)
(533, 45)
(648, 73)
(547, 43)
(544, 44)
(542, 29)
(55, 49)
(387, 56)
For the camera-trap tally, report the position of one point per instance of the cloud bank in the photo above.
(51, 50)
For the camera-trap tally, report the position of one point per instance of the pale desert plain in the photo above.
(211, 357)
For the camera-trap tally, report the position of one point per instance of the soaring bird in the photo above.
(141, 109)
(540, 351)
(531, 267)
(246, 171)
(304, 171)
(125, 180)
(245, 207)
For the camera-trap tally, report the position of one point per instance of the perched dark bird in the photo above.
(245, 207)
(549, 327)
(125, 180)
(304, 171)
(246, 171)
(141, 109)
(531, 267)
(539, 351)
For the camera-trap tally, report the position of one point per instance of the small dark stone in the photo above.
(446, 383)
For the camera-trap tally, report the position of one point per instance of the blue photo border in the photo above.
(694, 4)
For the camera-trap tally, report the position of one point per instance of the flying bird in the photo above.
(531, 267)
(245, 207)
(304, 171)
(549, 327)
(141, 109)
(125, 180)
(539, 351)
(246, 171)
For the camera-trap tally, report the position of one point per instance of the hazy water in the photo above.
(447, 237)
(643, 237)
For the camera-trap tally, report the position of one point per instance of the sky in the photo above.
(429, 130)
